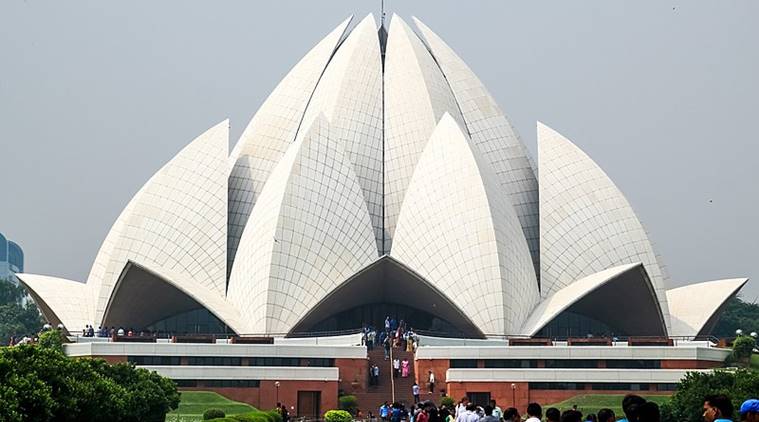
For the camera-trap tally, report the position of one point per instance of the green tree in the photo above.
(17, 318)
(349, 403)
(737, 314)
(43, 384)
(743, 347)
(686, 405)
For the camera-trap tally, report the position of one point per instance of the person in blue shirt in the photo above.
(384, 411)
(718, 408)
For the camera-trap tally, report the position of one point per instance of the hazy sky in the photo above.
(95, 96)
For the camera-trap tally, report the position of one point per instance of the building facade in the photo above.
(11, 260)
(380, 171)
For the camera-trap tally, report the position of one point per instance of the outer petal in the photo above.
(310, 232)
(143, 296)
(176, 222)
(61, 301)
(458, 230)
(349, 94)
(271, 131)
(695, 309)
(586, 224)
(416, 97)
(592, 295)
(493, 136)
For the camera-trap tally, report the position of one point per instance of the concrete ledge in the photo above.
(242, 350)
(247, 373)
(568, 375)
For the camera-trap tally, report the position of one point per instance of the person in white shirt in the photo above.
(534, 412)
(469, 415)
(497, 412)
(461, 407)
(431, 381)
(396, 367)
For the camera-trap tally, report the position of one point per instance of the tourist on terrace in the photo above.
(396, 367)
(554, 415)
(405, 365)
(750, 410)
(606, 415)
(387, 324)
(630, 405)
(431, 381)
(718, 408)
(386, 345)
(534, 412)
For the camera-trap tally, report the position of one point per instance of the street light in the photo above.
(738, 332)
(753, 334)
(276, 385)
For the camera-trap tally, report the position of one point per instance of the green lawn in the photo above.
(194, 403)
(755, 361)
(592, 403)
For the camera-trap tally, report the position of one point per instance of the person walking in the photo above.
(396, 367)
(405, 368)
(718, 408)
(431, 381)
(415, 392)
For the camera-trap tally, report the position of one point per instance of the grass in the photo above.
(755, 361)
(592, 403)
(194, 403)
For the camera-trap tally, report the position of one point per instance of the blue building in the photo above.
(11, 259)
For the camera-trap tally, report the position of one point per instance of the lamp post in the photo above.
(513, 394)
(739, 332)
(276, 385)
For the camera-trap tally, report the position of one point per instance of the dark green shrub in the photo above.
(448, 402)
(349, 404)
(686, 405)
(743, 347)
(337, 416)
(213, 414)
(274, 415)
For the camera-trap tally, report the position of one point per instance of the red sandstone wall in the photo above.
(438, 366)
(354, 375)
(266, 396)
(501, 392)
(689, 364)
(112, 359)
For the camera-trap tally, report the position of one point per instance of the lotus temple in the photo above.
(380, 178)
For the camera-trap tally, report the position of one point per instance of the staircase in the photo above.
(375, 395)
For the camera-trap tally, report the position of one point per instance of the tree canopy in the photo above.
(40, 383)
(738, 314)
(16, 317)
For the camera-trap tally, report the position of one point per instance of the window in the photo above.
(619, 386)
(571, 363)
(272, 361)
(463, 363)
(218, 383)
(214, 361)
(556, 386)
(479, 398)
(666, 387)
(511, 363)
(154, 360)
(634, 364)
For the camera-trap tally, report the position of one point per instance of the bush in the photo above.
(274, 415)
(52, 339)
(349, 404)
(337, 416)
(743, 347)
(448, 402)
(41, 383)
(686, 405)
(213, 413)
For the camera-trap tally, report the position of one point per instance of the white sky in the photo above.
(95, 96)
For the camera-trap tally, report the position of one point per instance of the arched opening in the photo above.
(626, 305)
(143, 300)
(387, 288)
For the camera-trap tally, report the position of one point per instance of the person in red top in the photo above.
(422, 416)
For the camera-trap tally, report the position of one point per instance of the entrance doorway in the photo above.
(308, 404)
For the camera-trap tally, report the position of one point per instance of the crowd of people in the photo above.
(395, 334)
(90, 331)
(716, 408)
